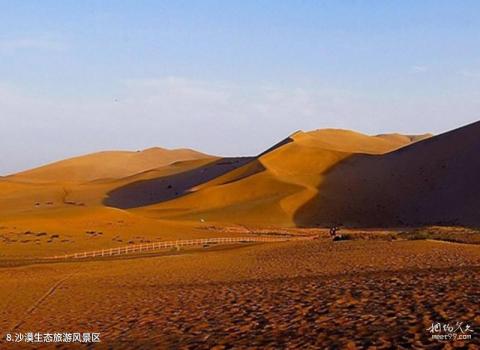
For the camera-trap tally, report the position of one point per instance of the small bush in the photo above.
(343, 237)
(414, 235)
(448, 234)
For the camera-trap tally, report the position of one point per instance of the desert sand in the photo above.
(280, 182)
(107, 165)
(299, 295)
(410, 253)
(112, 198)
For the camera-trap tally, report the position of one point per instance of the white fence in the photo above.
(146, 247)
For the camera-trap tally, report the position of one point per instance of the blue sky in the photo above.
(226, 77)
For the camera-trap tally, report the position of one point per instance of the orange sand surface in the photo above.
(381, 287)
(69, 206)
(309, 294)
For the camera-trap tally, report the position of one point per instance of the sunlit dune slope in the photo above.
(435, 181)
(46, 218)
(106, 165)
(162, 188)
(272, 187)
(404, 139)
(24, 198)
(73, 197)
(354, 142)
(41, 219)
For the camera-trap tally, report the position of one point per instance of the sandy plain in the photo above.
(376, 294)
(378, 289)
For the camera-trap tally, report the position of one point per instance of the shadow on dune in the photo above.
(435, 181)
(147, 192)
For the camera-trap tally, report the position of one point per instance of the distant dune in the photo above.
(272, 187)
(160, 189)
(354, 142)
(106, 165)
(435, 181)
(315, 178)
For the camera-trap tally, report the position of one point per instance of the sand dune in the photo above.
(106, 165)
(356, 293)
(272, 187)
(354, 142)
(21, 197)
(159, 189)
(430, 182)
(310, 178)
(45, 211)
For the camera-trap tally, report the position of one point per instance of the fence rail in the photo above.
(153, 246)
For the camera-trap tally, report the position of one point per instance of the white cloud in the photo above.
(419, 69)
(235, 111)
(17, 44)
(214, 117)
(470, 74)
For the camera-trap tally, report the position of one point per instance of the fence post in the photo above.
(177, 244)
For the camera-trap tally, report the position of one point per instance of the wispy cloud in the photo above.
(215, 117)
(419, 69)
(18, 44)
(470, 74)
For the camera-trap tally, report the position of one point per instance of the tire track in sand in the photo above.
(35, 306)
